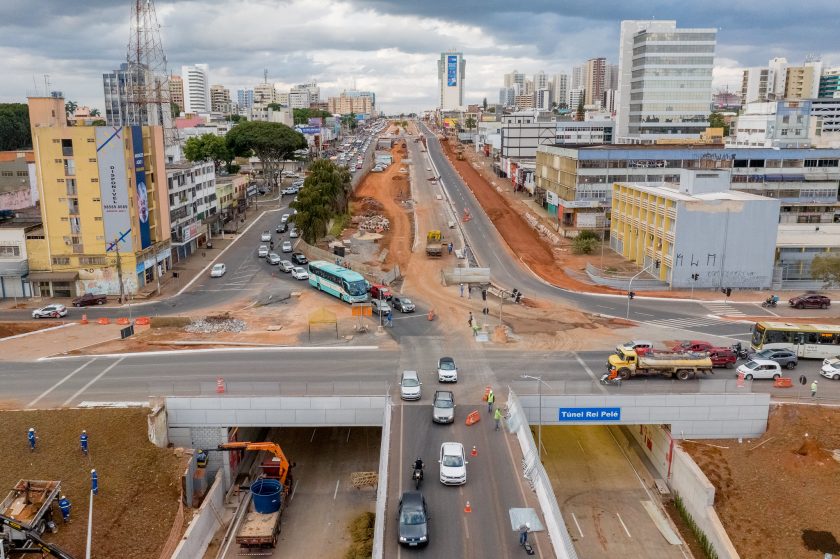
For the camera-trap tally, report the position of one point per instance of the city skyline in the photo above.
(387, 47)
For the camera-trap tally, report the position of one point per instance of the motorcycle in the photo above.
(417, 476)
(740, 350)
(770, 302)
(606, 380)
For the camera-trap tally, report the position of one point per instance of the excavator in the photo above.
(280, 464)
(38, 544)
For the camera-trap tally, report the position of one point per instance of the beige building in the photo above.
(220, 99)
(345, 104)
(524, 101)
(176, 91)
(594, 74)
(803, 82)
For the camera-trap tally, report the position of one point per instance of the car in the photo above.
(284, 218)
(299, 273)
(287, 191)
(723, 357)
(379, 291)
(286, 247)
(282, 228)
(299, 258)
(402, 303)
(50, 311)
(410, 385)
(358, 166)
(266, 236)
(294, 233)
(641, 347)
(286, 266)
(89, 299)
(376, 169)
(692, 346)
(453, 464)
(831, 368)
(289, 175)
(443, 407)
(218, 270)
(262, 252)
(273, 258)
(810, 301)
(784, 357)
(380, 306)
(413, 520)
(446, 370)
(760, 369)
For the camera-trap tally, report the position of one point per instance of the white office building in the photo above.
(561, 89)
(196, 88)
(665, 81)
(775, 124)
(451, 70)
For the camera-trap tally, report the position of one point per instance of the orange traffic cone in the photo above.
(468, 508)
(474, 452)
(84, 319)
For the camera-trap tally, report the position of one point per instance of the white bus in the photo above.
(810, 341)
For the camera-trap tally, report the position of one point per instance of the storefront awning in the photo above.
(53, 276)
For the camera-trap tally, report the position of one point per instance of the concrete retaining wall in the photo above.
(157, 428)
(204, 524)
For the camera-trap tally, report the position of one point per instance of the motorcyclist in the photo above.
(418, 466)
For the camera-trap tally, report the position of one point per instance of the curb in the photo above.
(212, 350)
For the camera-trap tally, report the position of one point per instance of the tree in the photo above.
(14, 126)
(234, 118)
(98, 122)
(716, 120)
(275, 106)
(175, 109)
(70, 107)
(580, 115)
(827, 269)
(272, 142)
(585, 242)
(95, 112)
(469, 123)
(208, 147)
(484, 103)
(325, 195)
(302, 116)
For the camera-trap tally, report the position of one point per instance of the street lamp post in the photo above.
(630, 286)
(540, 382)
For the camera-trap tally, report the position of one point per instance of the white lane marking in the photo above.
(578, 525)
(59, 383)
(771, 312)
(589, 372)
(221, 350)
(292, 496)
(581, 446)
(336, 490)
(348, 435)
(623, 525)
(645, 314)
(91, 381)
(312, 438)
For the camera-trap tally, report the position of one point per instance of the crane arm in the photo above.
(33, 536)
(269, 447)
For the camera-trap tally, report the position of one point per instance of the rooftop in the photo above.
(672, 193)
(814, 235)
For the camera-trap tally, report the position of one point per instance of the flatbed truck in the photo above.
(625, 363)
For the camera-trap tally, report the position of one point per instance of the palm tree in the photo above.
(70, 107)
(95, 112)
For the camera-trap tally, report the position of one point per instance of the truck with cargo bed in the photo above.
(434, 247)
(625, 363)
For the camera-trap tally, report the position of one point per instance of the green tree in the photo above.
(325, 195)
(302, 116)
(235, 118)
(470, 123)
(175, 109)
(716, 120)
(275, 106)
(827, 269)
(98, 122)
(272, 142)
(580, 115)
(585, 242)
(70, 107)
(14, 126)
(95, 112)
(208, 147)
(484, 103)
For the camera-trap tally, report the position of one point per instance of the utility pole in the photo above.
(630, 287)
(119, 270)
(540, 382)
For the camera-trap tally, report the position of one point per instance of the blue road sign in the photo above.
(589, 414)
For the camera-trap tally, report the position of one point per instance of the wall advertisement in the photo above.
(451, 70)
(140, 181)
(113, 187)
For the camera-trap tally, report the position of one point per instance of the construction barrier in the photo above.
(474, 451)
(487, 391)
(431, 315)
(467, 507)
(84, 319)
(123, 321)
(143, 321)
(103, 320)
(783, 382)
(473, 418)
(220, 385)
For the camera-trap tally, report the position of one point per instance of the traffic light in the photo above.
(726, 291)
(631, 294)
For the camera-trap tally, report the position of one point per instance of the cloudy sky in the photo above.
(388, 46)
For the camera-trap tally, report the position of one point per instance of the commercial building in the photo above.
(796, 247)
(176, 91)
(192, 205)
(754, 85)
(825, 123)
(14, 260)
(593, 84)
(18, 185)
(220, 99)
(196, 88)
(830, 83)
(347, 103)
(779, 124)
(104, 205)
(244, 98)
(665, 81)
(115, 86)
(803, 82)
(451, 72)
(696, 233)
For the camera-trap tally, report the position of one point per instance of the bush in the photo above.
(361, 533)
(340, 223)
(588, 234)
(702, 539)
(584, 245)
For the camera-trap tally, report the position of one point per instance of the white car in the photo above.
(831, 368)
(453, 464)
(50, 311)
(266, 236)
(760, 369)
(262, 252)
(410, 386)
(446, 369)
(293, 233)
(273, 258)
(286, 266)
(218, 270)
(287, 246)
(284, 218)
(299, 273)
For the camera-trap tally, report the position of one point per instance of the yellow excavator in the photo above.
(280, 464)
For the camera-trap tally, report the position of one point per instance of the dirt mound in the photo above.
(811, 449)
(14, 328)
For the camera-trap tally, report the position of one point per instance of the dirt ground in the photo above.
(139, 483)
(778, 496)
(14, 328)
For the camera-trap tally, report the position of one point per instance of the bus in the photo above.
(810, 341)
(339, 282)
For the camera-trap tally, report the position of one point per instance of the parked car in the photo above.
(379, 291)
(262, 252)
(693, 346)
(402, 303)
(413, 520)
(831, 368)
(286, 266)
(266, 236)
(760, 369)
(443, 407)
(380, 307)
(299, 273)
(299, 258)
(410, 385)
(784, 357)
(50, 311)
(723, 357)
(287, 246)
(284, 218)
(89, 299)
(810, 301)
(282, 228)
(446, 370)
(289, 190)
(273, 258)
(641, 347)
(453, 464)
(218, 270)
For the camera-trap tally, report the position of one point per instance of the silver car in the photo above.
(410, 385)
(443, 407)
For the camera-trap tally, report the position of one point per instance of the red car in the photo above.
(693, 346)
(723, 357)
(379, 291)
(89, 299)
(810, 301)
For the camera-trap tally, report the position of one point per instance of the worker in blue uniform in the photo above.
(94, 482)
(83, 440)
(31, 437)
(64, 506)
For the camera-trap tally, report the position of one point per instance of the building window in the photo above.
(67, 148)
(92, 261)
(61, 260)
(9, 251)
(7, 174)
(69, 168)
(71, 187)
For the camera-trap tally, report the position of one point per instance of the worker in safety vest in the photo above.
(31, 437)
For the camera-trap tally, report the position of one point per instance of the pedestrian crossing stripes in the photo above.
(723, 309)
(685, 322)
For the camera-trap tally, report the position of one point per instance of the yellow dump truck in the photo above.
(434, 247)
(626, 363)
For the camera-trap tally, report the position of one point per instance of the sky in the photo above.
(388, 46)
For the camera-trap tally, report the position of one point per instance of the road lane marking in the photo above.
(589, 372)
(645, 314)
(335, 494)
(348, 435)
(292, 496)
(578, 525)
(623, 525)
(219, 350)
(581, 446)
(59, 383)
(312, 438)
(93, 380)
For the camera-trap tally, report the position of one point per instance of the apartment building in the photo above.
(176, 91)
(220, 99)
(192, 203)
(18, 185)
(780, 124)
(196, 88)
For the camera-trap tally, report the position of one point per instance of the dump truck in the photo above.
(26, 513)
(459, 152)
(434, 247)
(626, 363)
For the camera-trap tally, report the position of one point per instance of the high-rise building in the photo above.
(264, 94)
(245, 98)
(451, 71)
(507, 96)
(776, 78)
(561, 89)
(830, 83)
(220, 99)
(514, 78)
(540, 81)
(669, 72)
(575, 98)
(115, 86)
(594, 74)
(578, 77)
(176, 91)
(803, 82)
(196, 88)
(352, 102)
(542, 99)
(754, 85)
(611, 76)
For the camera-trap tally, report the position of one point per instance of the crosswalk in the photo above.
(723, 309)
(687, 322)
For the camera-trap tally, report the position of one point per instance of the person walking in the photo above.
(83, 441)
(30, 435)
(64, 506)
(497, 415)
(449, 248)
(523, 533)
(814, 389)
(389, 316)
(462, 290)
(94, 482)
(491, 397)
(470, 321)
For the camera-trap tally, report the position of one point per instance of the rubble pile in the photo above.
(376, 223)
(370, 205)
(215, 325)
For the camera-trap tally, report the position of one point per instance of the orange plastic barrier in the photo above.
(467, 507)
(220, 385)
(123, 321)
(487, 391)
(474, 451)
(473, 418)
(103, 320)
(143, 321)
(783, 382)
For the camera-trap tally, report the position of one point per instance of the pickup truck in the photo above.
(626, 363)
(89, 299)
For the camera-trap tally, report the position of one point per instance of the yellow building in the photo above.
(104, 205)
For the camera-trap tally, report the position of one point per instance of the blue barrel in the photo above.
(267, 495)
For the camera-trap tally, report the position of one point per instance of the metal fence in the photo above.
(382, 486)
(280, 388)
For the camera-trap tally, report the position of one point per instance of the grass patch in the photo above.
(340, 223)
(361, 534)
(708, 549)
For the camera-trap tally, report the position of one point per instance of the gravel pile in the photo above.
(210, 326)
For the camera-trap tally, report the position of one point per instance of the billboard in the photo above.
(316, 121)
(451, 70)
(140, 181)
(113, 187)
(309, 130)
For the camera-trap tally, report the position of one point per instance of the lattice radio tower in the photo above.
(147, 87)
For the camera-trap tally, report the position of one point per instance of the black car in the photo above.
(282, 228)
(299, 259)
(89, 299)
(413, 519)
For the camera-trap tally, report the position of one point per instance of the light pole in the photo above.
(630, 286)
(540, 382)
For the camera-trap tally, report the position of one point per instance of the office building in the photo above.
(451, 72)
(220, 99)
(115, 86)
(176, 91)
(803, 82)
(611, 76)
(594, 74)
(196, 88)
(665, 81)
(104, 206)
(830, 83)
(244, 98)
(780, 124)
(507, 96)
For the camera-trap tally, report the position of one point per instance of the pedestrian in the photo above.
(389, 318)
(462, 290)
(469, 292)
(523, 533)
(814, 389)
(470, 321)
(83, 440)
(32, 437)
(497, 415)
(491, 397)
(449, 247)
(94, 482)
(64, 506)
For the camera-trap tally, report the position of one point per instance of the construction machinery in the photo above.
(277, 467)
(434, 246)
(25, 514)
(459, 152)
(627, 363)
